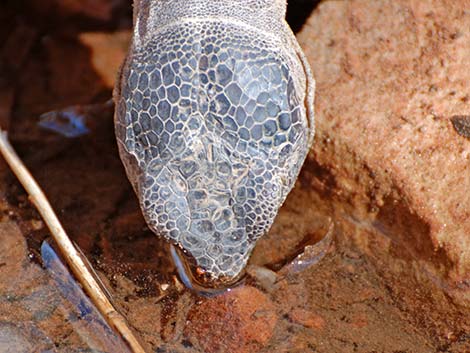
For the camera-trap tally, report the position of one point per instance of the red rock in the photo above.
(367, 294)
(241, 321)
(307, 318)
(359, 321)
(108, 51)
(390, 78)
(12, 256)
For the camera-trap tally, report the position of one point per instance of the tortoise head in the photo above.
(212, 127)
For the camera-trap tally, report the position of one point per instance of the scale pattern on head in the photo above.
(213, 131)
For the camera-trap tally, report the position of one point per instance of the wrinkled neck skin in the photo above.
(150, 16)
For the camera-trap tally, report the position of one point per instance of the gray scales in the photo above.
(214, 120)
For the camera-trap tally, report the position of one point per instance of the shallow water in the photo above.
(342, 303)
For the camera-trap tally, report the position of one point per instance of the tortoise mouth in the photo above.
(197, 279)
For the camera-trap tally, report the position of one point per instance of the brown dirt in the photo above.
(354, 300)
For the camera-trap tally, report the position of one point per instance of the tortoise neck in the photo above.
(152, 15)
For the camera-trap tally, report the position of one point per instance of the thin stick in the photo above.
(70, 253)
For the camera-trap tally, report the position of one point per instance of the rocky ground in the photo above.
(390, 166)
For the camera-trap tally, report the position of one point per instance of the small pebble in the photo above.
(241, 321)
(307, 318)
(264, 276)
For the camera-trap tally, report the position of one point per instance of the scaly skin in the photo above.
(214, 119)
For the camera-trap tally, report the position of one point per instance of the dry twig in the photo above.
(69, 252)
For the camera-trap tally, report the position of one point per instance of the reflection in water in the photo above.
(308, 256)
(68, 123)
(311, 254)
(88, 322)
(191, 282)
(74, 121)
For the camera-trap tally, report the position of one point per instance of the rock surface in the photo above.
(384, 72)
(241, 320)
(391, 75)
